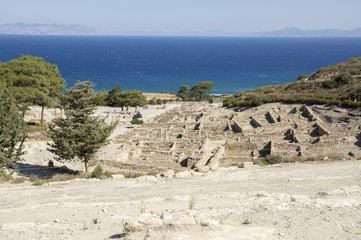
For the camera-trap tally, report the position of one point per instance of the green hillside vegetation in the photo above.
(336, 85)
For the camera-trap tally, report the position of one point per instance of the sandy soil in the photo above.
(297, 201)
(159, 96)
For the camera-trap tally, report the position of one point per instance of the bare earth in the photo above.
(304, 201)
(311, 200)
(160, 95)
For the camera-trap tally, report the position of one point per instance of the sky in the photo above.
(186, 15)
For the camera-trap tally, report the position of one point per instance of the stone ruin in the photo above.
(203, 136)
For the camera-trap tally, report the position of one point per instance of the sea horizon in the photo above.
(164, 63)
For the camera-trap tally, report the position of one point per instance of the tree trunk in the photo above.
(86, 166)
(42, 115)
(24, 110)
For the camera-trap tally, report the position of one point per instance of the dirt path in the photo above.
(305, 201)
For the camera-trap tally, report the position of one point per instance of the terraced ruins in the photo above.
(204, 136)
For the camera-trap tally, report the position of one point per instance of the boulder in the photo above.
(118, 176)
(183, 174)
(141, 223)
(247, 164)
(178, 219)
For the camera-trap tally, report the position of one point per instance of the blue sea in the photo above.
(162, 64)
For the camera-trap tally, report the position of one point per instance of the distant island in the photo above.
(49, 29)
(296, 32)
(73, 29)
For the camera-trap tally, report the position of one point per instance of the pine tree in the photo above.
(12, 131)
(32, 80)
(79, 136)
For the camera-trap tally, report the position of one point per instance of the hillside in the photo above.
(338, 84)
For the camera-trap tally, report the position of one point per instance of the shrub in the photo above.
(354, 72)
(259, 161)
(62, 177)
(343, 79)
(338, 81)
(256, 100)
(98, 171)
(152, 101)
(351, 104)
(273, 159)
(355, 95)
(329, 84)
(268, 91)
(301, 77)
(18, 180)
(137, 121)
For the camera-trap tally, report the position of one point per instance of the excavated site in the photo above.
(204, 136)
(204, 183)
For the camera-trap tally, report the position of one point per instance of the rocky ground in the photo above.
(311, 200)
(295, 201)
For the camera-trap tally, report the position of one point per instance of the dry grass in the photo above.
(18, 180)
(62, 177)
(36, 181)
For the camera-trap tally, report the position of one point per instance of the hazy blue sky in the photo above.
(187, 15)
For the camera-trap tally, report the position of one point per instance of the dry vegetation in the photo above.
(338, 84)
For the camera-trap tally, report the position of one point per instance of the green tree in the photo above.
(101, 98)
(184, 92)
(201, 90)
(152, 101)
(113, 95)
(131, 98)
(79, 136)
(31, 80)
(12, 131)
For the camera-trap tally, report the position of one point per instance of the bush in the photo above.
(273, 159)
(255, 100)
(343, 79)
(338, 81)
(137, 121)
(355, 95)
(301, 77)
(268, 91)
(152, 101)
(98, 172)
(18, 180)
(355, 72)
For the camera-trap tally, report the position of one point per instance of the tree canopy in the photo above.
(119, 98)
(79, 136)
(32, 80)
(12, 130)
(197, 92)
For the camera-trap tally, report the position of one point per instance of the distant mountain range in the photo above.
(72, 29)
(296, 32)
(49, 29)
